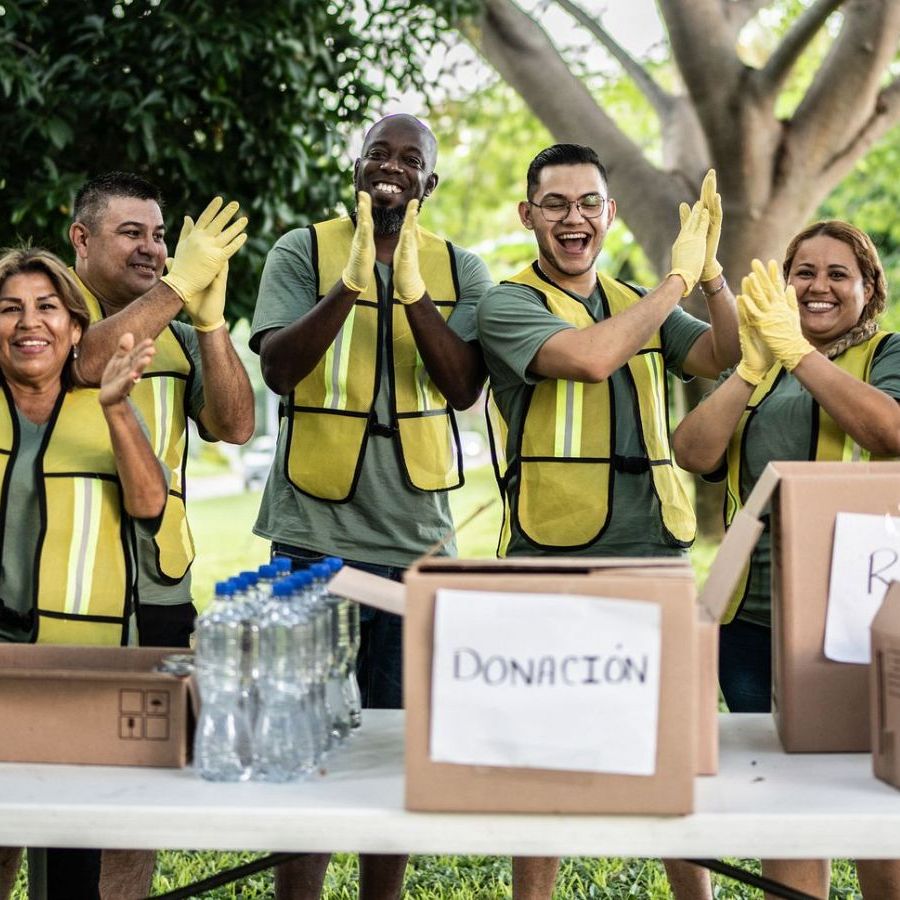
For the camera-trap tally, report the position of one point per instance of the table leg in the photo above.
(37, 873)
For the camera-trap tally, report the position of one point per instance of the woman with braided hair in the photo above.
(817, 380)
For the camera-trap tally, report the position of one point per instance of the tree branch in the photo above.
(523, 54)
(840, 104)
(740, 12)
(659, 99)
(885, 117)
(803, 30)
(703, 45)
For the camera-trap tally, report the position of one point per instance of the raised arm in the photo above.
(288, 354)
(719, 347)
(201, 252)
(593, 353)
(228, 409)
(455, 366)
(700, 440)
(143, 485)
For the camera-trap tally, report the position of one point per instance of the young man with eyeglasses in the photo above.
(577, 363)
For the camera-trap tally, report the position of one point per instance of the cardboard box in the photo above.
(819, 705)
(668, 582)
(884, 681)
(96, 705)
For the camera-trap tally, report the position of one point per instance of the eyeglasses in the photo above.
(555, 209)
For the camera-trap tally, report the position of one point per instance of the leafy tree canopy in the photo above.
(203, 97)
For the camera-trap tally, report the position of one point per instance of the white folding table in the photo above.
(764, 803)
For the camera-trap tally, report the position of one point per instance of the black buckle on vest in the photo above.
(630, 465)
(379, 429)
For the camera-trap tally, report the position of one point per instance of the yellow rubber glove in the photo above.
(689, 249)
(361, 261)
(756, 357)
(408, 284)
(712, 203)
(207, 309)
(203, 248)
(772, 309)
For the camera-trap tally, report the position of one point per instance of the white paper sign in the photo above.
(864, 561)
(550, 681)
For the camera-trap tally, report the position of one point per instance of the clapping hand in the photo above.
(408, 282)
(124, 369)
(361, 261)
(772, 309)
(756, 357)
(689, 249)
(203, 250)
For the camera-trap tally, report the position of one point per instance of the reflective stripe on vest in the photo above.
(830, 442)
(84, 578)
(564, 450)
(330, 411)
(162, 397)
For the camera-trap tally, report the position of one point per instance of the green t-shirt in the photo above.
(22, 526)
(780, 429)
(386, 521)
(151, 590)
(513, 324)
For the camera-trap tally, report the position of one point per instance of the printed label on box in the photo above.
(549, 681)
(865, 559)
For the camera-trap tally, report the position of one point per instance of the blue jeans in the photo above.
(379, 666)
(745, 666)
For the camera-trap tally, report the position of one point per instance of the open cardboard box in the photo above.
(687, 727)
(819, 705)
(97, 705)
(884, 692)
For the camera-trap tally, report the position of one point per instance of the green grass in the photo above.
(225, 544)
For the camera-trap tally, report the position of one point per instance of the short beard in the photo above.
(387, 220)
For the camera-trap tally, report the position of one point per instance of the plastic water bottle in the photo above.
(246, 602)
(222, 739)
(352, 696)
(283, 565)
(340, 645)
(283, 743)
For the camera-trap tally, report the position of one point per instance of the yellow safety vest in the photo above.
(84, 578)
(162, 397)
(830, 442)
(331, 412)
(565, 448)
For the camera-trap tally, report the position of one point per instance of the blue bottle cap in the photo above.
(335, 563)
(281, 563)
(267, 571)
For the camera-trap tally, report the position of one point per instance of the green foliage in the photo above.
(203, 97)
(869, 198)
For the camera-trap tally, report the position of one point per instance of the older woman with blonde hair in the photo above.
(818, 380)
(77, 474)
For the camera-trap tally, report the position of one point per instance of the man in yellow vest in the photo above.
(120, 254)
(365, 325)
(120, 245)
(577, 364)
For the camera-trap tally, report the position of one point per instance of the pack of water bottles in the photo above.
(276, 666)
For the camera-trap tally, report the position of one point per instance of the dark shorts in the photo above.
(166, 626)
(379, 666)
(745, 666)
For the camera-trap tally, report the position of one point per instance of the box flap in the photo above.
(363, 587)
(725, 572)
